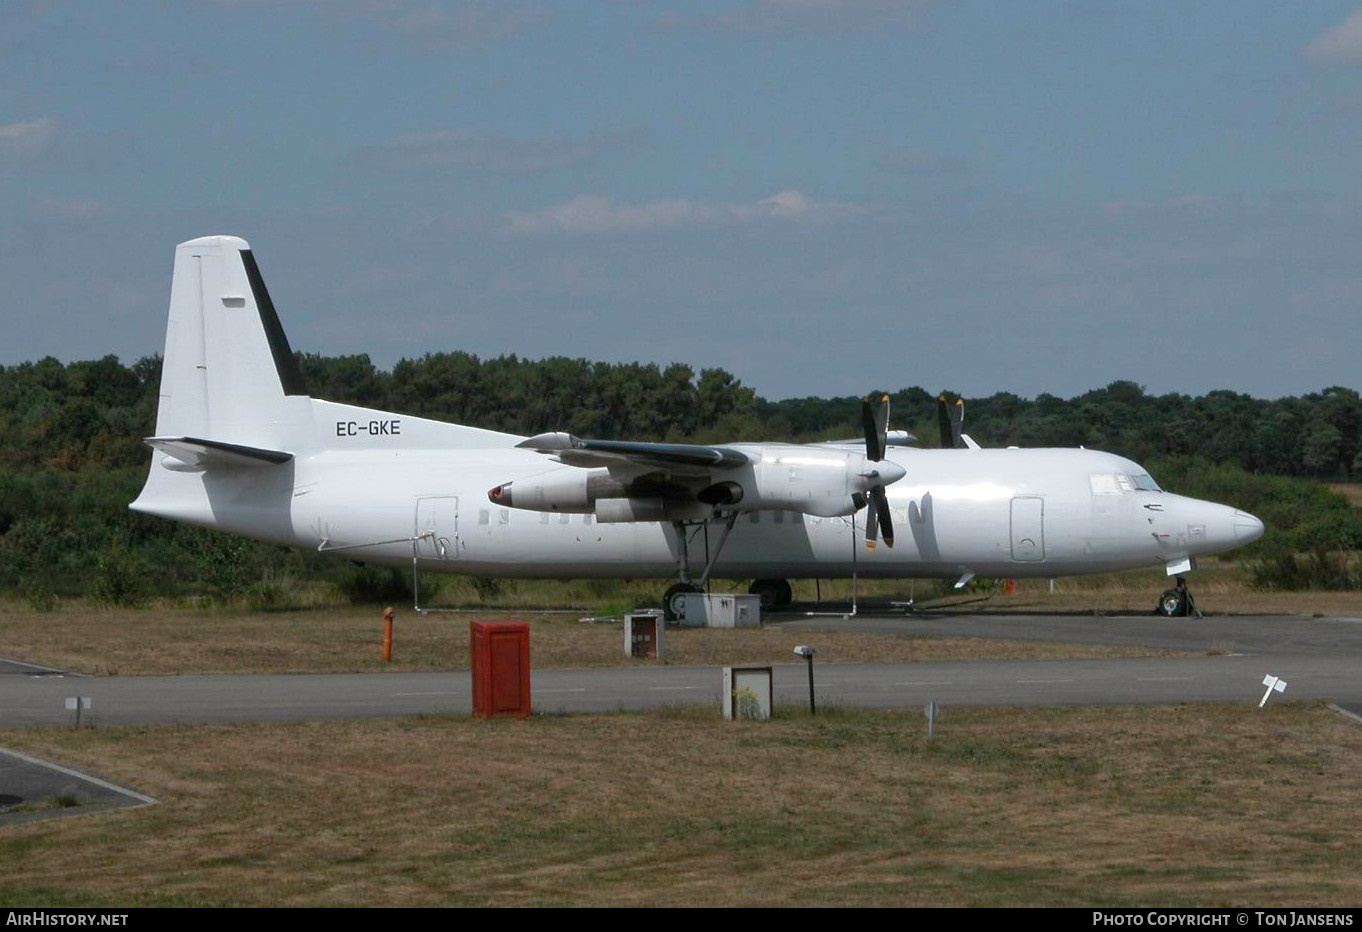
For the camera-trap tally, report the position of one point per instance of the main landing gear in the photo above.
(1177, 602)
(673, 601)
(775, 593)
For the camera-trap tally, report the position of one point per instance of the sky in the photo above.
(823, 197)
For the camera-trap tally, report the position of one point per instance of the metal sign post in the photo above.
(76, 704)
(805, 651)
(1272, 683)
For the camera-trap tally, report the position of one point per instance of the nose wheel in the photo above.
(1177, 602)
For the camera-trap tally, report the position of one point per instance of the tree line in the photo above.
(72, 457)
(94, 413)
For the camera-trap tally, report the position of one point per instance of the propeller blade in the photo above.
(875, 423)
(872, 529)
(951, 422)
(880, 501)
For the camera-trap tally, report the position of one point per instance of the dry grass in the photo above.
(1352, 491)
(88, 639)
(1220, 587)
(1180, 806)
(1213, 597)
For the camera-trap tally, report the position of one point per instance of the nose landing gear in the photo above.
(1178, 602)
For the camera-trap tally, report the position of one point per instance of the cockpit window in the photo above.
(1120, 483)
(1145, 483)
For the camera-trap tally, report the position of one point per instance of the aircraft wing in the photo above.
(200, 454)
(678, 457)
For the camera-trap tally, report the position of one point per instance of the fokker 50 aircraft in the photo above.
(241, 447)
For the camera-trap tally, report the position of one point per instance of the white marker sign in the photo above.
(1271, 682)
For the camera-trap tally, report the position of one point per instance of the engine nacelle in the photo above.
(564, 490)
(814, 481)
(619, 510)
(823, 482)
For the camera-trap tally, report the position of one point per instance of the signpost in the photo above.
(1272, 683)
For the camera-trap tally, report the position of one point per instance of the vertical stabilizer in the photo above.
(228, 372)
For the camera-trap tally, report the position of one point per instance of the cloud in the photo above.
(24, 142)
(456, 152)
(1341, 45)
(819, 17)
(594, 215)
(435, 27)
(67, 208)
(906, 160)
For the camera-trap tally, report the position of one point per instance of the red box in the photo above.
(501, 668)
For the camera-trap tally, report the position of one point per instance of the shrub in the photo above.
(370, 585)
(118, 579)
(37, 596)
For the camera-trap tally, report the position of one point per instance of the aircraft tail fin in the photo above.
(228, 372)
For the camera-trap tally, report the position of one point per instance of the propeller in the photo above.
(951, 420)
(875, 421)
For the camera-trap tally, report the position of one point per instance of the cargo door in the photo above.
(1028, 528)
(437, 527)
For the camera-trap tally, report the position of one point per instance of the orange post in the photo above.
(1010, 588)
(388, 635)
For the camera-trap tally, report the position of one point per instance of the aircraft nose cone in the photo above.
(1247, 528)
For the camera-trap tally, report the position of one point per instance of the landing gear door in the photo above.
(437, 528)
(1028, 528)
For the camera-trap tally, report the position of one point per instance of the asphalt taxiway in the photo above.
(1228, 656)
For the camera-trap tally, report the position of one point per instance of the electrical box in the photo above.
(720, 610)
(500, 653)
(749, 692)
(645, 635)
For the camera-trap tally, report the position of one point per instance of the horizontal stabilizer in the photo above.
(203, 454)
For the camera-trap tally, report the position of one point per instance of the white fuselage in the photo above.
(1002, 513)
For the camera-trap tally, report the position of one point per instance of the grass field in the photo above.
(166, 638)
(1204, 805)
(88, 639)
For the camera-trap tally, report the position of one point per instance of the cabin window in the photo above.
(505, 516)
(543, 517)
(586, 519)
(796, 518)
(754, 517)
(564, 518)
(780, 517)
(484, 517)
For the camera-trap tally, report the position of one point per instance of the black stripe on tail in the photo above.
(285, 363)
